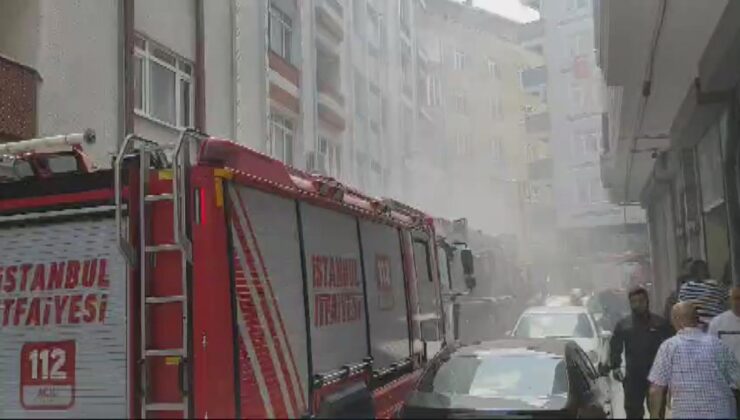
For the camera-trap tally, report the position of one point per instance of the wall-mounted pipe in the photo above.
(200, 71)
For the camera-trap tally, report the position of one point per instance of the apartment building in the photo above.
(475, 86)
(593, 231)
(324, 85)
(540, 209)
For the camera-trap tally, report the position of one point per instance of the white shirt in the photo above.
(726, 326)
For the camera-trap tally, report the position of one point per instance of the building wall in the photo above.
(77, 58)
(564, 28)
(486, 149)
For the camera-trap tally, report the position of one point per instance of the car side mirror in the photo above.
(605, 334)
(466, 258)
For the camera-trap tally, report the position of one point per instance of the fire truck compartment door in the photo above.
(63, 325)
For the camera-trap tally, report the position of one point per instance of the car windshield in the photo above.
(530, 375)
(554, 325)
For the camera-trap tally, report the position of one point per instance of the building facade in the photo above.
(474, 95)
(324, 85)
(595, 234)
(671, 124)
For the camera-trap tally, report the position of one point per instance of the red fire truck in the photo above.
(222, 284)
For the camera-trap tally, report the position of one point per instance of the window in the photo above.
(497, 111)
(461, 104)
(163, 84)
(330, 157)
(531, 153)
(374, 29)
(459, 60)
(534, 193)
(404, 12)
(586, 144)
(577, 97)
(434, 91)
(280, 144)
(497, 149)
(493, 69)
(280, 28)
(463, 144)
(579, 44)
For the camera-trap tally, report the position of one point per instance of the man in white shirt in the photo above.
(726, 326)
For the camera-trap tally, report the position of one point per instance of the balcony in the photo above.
(537, 123)
(540, 169)
(331, 105)
(286, 70)
(18, 85)
(330, 15)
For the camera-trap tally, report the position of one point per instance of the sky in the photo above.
(511, 9)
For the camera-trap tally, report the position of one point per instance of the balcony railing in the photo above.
(330, 13)
(332, 92)
(18, 85)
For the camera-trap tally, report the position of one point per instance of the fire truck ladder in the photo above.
(152, 154)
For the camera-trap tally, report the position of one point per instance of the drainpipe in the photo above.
(233, 9)
(126, 70)
(200, 80)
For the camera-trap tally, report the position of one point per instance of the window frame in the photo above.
(143, 52)
(434, 91)
(287, 127)
(286, 31)
(331, 157)
(458, 60)
(493, 69)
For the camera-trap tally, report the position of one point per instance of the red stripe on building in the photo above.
(281, 323)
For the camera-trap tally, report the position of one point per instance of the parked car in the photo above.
(564, 322)
(510, 378)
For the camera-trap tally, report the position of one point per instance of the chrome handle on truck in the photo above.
(323, 379)
(124, 245)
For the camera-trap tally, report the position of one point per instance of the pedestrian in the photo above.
(726, 326)
(705, 293)
(640, 334)
(672, 299)
(697, 368)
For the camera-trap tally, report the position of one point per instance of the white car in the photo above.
(564, 322)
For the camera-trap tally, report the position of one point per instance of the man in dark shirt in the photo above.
(639, 335)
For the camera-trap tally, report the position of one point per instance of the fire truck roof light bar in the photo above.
(31, 145)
